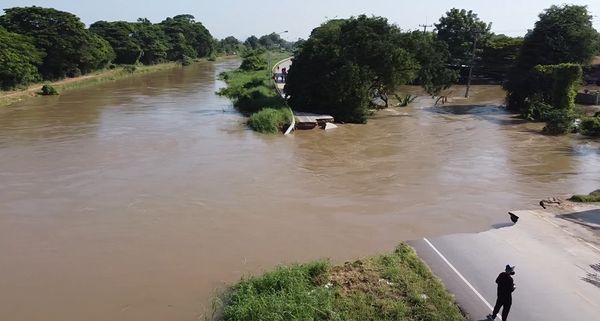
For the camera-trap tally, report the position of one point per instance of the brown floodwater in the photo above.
(142, 198)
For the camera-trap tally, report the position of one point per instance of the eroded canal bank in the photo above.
(137, 199)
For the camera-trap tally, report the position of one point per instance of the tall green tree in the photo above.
(19, 60)
(70, 49)
(252, 43)
(187, 37)
(120, 36)
(563, 34)
(433, 58)
(345, 64)
(459, 29)
(152, 40)
(498, 55)
(229, 45)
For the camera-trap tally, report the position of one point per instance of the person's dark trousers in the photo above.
(505, 302)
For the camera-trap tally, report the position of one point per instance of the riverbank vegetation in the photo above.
(590, 198)
(394, 286)
(48, 44)
(45, 45)
(543, 82)
(348, 67)
(252, 91)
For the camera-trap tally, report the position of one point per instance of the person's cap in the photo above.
(509, 268)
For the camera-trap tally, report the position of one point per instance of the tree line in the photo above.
(39, 43)
(347, 67)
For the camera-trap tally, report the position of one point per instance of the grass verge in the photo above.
(591, 198)
(394, 286)
(254, 94)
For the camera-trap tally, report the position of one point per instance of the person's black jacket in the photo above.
(506, 285)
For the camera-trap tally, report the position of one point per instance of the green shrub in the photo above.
(559, 122)
(254, 82)
(212, 58)
(130, 68)
(253, 62)
(585, 198)
(590, 126)
(538, 111)
(404, 101)
(269, 120)
(48, 90)
(186, 61)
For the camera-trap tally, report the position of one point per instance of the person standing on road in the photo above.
(506, 286)
(284, 75)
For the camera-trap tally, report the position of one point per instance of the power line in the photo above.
(425, 26)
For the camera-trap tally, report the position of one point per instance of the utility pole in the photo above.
(472, 63)
(425, 26)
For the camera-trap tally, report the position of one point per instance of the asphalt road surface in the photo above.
(557, 275)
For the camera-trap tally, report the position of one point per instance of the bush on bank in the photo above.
(394, 286)
(48, 90)
(590, 126)
(270, 121)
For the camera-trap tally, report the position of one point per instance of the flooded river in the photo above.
(139, 199)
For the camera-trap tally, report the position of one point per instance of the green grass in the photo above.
(254, 95)
(269, 120)
(395, 286)
(585, 198)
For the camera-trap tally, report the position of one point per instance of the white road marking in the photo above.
(458, 273)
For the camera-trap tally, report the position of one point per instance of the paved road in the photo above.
(554, 275)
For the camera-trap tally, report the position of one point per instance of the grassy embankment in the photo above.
(590, 198)
(395, 286)
(101, 76)
(254, 95)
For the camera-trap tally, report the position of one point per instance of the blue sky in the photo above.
(242, 18)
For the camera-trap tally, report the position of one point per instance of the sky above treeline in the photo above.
(242, 18)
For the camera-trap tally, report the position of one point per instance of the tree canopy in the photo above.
(19, 60)
(459, 29)
(563, 34)
(229, 45)
(498, 55)
(120, 36)
(47, 44)
(347, 65)
(70, 49)
(187, 38)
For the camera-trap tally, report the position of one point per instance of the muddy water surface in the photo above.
(138, 199)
